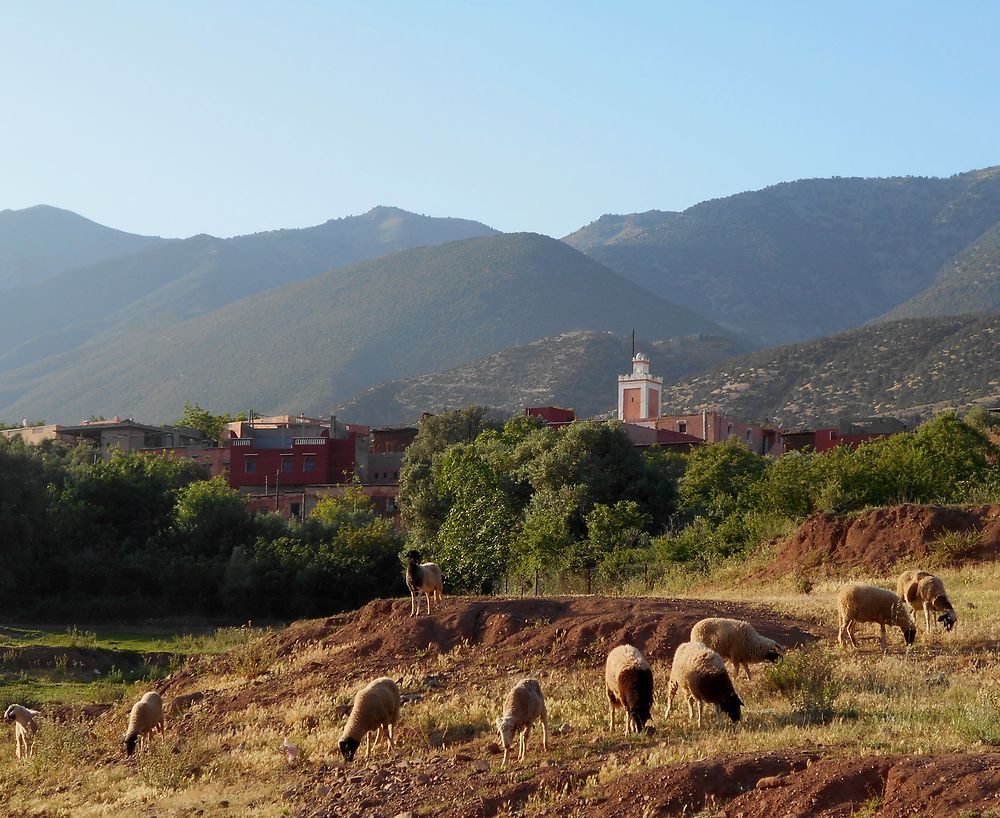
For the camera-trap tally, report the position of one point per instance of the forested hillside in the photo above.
(577, 370)
(913, 366)
(802, 259)
(177, 280)
(300, 348)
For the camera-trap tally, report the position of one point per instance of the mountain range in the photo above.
(388, 313)
(809, 258)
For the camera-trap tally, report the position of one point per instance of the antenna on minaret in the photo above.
(633, 343)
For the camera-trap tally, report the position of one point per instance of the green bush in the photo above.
(808, 679)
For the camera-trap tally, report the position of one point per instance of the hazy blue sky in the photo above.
(230, 117)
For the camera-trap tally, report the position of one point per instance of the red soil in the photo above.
(878, 540)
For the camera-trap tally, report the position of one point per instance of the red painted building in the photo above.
(552, 415)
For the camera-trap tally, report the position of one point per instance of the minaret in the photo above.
(639, 393)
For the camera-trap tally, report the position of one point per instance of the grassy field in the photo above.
(942, 695)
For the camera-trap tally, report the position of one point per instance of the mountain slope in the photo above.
(303, 346)
(575, 369)
(800, 259)
(895, 367)
(39, 242)
(969, 283)
(181, 279)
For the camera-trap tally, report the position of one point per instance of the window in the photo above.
(309, 462)
(250, 463)
(729, 430)
(682, 427)
(749, 435)
(296, 509)
(286, 463)
(395, 475)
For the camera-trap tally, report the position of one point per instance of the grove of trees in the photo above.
(512, 506)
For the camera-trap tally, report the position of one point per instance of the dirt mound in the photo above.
(560, 631)
(81, 660)
(933, 786)
(768, 785)
(880, 539)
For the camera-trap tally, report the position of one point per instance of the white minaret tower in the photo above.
(639, 393)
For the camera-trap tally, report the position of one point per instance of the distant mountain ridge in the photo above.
(302, 347)
(577, 370)
(913, 366)
(180, 279)
(802, 259)
(39, 242)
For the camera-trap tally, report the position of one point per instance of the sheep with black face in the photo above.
(700, 672)
(422, 578)
(869, 603)
(925, 592)
(375, 710)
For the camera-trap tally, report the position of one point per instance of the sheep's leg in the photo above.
(699, 713)
(428, 597)
(390, 733)
(413, 602)
(611, 712)
(690, 701)
(368, 744)
(17, 745)
(545, 731)
(671, 691)
(525, 735)
(884, 642)
(927, 618)
(503, 763)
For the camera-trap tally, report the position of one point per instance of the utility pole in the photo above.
(276, 475)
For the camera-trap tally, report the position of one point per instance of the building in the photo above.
(125, 435)
(292, 452)
(714, 427)
(552, 415)
(639, 392)
(851, 433)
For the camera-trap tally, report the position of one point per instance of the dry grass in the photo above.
(941, 695)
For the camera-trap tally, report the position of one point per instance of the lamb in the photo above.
(523, 705)
(146, 716)
(425, 578)
(375, 708)
(24, 728)
(736, 641)
(628, 681)
(701, 673)
(924, 591)
(867, 603)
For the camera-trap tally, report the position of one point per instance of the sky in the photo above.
(177, 118)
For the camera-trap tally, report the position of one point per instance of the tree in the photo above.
(211, 518)
(211, 426)
(719, 478)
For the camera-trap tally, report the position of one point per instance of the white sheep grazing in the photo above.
(523, 705)
(375, 709)
(867, 603)
(924, 591)
(628, 681)
(145, 717)
(422, 578)
(736, 641)
(700, 672)
(24, 728)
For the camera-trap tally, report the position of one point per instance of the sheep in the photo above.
(628, 681)
(736, 641)
(523, 705)
(867, 603)
(145, 717)
(701, 673)
(425, 578)
(924, 591)
(24, 728)
(375, 708)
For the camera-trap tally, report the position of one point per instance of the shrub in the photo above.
(980, 719)
(808, 680)
(954, 546)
